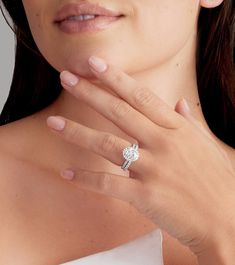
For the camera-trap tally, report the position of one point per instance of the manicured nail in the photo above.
(97, 64)
(69, 79)
(56, 123)
(185, 104)
(67, 174)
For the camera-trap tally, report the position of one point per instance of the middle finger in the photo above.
(115, 109)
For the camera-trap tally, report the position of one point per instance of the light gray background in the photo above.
(7, 48)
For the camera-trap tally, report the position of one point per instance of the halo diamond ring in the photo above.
(130, 154)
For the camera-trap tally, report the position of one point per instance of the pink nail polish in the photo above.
(97, 64)
(56, 123)
(67, 174)
(69, 79)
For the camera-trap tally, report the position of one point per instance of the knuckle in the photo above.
(108, 143)
(81, 176)
(143, 97)
(105, 182)
(120, 109)
(72, 133)
(83, 90)
(116, 77)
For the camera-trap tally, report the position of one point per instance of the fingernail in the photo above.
(56, 123)
(97, 64)
(185, 104)
(67, 174)
(69, 79)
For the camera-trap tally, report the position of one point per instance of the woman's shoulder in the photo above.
(13, 139)
(8, 147)
(9, 150)
(13, 169)
(7, 187)
(12, 199)
(12, 165)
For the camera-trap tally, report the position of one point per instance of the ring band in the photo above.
(130, 154)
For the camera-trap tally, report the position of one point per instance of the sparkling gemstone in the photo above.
(130, 154)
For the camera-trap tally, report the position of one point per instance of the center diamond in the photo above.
(130, 154)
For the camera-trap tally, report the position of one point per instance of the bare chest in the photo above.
(50, 222)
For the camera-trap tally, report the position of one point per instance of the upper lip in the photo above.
(83, 8)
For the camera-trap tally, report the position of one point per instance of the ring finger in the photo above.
(105, 144)
(116, 110)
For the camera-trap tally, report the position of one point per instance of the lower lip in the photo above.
(92, 25)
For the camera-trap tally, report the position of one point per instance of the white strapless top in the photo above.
(145, 250)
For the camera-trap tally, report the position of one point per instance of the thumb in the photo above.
(183, 108)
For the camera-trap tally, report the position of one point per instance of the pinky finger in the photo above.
(119, 187)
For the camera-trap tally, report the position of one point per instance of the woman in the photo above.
(133, 72)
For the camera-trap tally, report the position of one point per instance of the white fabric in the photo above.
(145, 250)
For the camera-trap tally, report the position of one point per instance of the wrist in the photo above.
(221, 250)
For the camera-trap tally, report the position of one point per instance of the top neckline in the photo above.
(146, 249)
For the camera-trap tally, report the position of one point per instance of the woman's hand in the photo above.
(183, 181)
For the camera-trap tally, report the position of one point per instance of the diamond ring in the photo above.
(130, 154)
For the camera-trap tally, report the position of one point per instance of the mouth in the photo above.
(83, 17)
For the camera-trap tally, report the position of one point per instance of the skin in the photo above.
(168, 73)
(151, 187)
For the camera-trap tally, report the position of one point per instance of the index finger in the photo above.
(141, 98)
